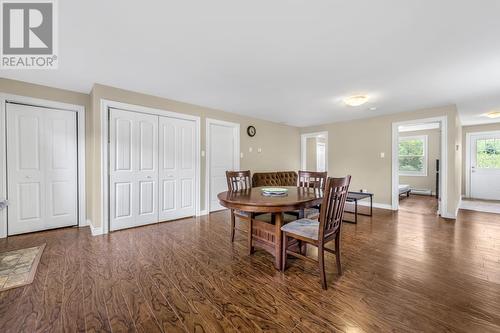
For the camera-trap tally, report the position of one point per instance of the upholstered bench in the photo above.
(280, 178)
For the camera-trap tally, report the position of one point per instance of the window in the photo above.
(413, 156)
(488, 154)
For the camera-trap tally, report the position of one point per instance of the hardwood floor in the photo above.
(421, 204)
(402, 272)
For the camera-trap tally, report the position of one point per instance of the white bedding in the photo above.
(403, 188)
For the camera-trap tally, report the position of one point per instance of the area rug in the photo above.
(18, 267)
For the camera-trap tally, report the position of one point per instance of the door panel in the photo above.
(41, 168)
(123, 148)
(222, 158)
(485, 166)
(133, 169)
(168, 195)
(29, 201)
(177, 170)
(28, 137)
(123, 201)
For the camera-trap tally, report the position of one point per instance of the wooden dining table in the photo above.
(266, 235)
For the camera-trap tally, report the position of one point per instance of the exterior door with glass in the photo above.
(485, 166)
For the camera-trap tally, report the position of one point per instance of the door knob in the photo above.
(3, 204)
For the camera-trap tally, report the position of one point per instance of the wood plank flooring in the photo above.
(422, 204)
(403, 272)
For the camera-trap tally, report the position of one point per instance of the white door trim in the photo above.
(236, 133)
(80, 111)
(468, 142)
(303, 141)
(443, 186)
(105, 105)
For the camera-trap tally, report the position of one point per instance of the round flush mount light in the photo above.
(493, 114)
(356, 100)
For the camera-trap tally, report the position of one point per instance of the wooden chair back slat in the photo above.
(238, 180)
(312, 179)
(332, 207)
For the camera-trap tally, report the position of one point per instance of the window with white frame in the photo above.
(413, 155)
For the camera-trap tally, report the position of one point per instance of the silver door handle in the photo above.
(4, 204)
(149, 177)
(28, 177)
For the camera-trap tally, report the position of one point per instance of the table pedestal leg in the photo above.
(278, 217)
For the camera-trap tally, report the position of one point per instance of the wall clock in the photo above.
(251, 131)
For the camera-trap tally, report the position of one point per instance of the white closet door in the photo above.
(224, 156)
(133, 169)
(177, 168)
(41, 168)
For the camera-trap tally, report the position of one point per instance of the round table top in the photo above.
(252, 200)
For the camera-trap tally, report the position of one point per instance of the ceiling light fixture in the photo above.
(493, 114)
(356, 100)
(373, 108)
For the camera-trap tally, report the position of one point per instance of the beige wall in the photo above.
(280, 143)
(473, 129)
(57, 95)
(311, 158)
(433, 150)
(355, 146)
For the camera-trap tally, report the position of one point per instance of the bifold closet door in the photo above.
(41, 168)
(133, 169)
(177, 168)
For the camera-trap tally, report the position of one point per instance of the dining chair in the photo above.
(319, 233)
(315, 180)
(238, 181)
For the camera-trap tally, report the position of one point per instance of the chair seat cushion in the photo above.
(268, 218)
(304, 227)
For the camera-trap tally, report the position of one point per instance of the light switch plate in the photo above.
(250, 149)
(202, 153)
(241, 155)
(382, 155)
(259, 150)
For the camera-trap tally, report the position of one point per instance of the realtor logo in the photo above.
(29, 36)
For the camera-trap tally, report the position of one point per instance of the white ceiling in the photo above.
(286, 60)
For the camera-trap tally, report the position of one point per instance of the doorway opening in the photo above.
(419, 162)
(314, 151)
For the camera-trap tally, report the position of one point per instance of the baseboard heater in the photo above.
(421, 191)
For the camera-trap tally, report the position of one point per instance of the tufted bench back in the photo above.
(280, 178)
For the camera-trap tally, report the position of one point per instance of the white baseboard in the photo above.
(375, 205)
(96, 231)
(448, 216)
(86, 223)
(459, 204)
(203, 212)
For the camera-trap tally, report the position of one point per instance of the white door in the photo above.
(320, 157)
(41, 168)
(177, 168)
(133, 169)
(485, 166)
(223, 156)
